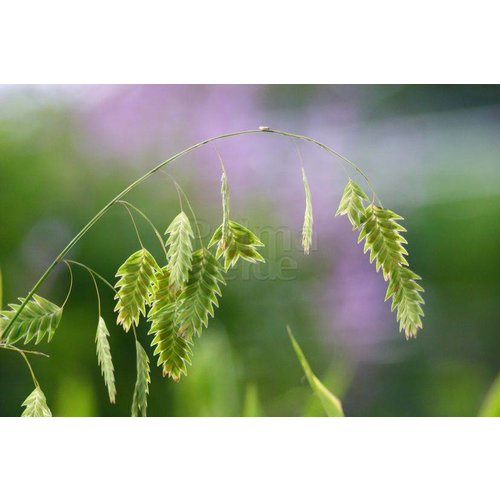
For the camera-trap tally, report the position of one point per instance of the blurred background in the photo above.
(433, 154)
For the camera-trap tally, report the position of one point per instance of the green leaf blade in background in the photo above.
(331, 404)
(212, 387)
(252, 406)
(491, 403)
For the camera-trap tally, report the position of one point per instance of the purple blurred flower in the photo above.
(352, 305)
(130, 119)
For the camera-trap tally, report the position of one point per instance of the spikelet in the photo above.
(381, 232)
(36, 405)
(38, 319)
(180, 249)
(137, 278)
(232, 239)
(351, 203)
(307, 229)
(141, 389)
(241, 242)
(406, 298)
(174, 352)
(197, 301)
(104, 358)
(383, 240)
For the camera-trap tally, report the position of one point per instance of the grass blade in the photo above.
(251, 405)
(491, 403)
(331, 404)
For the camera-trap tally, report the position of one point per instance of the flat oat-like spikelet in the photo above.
(406, 298)
(173, 351)
(197, 301)
(351, 203)
(232, 239)
(38, 319)
(180, 249)
(383, 240)
(141, 389)
(36, 405)
(137, 278)
(307, 229)
(104, 358)
(240, 242)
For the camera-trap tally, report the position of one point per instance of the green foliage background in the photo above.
(446, 183)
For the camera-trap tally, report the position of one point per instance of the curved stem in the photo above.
(30, 368)
(176, 188)
(98, 295)
(299, 154)
(146, 218)
(181, 193)
(133, 223)
(146, 176)
(70, 284)
(11, 347)
(22, 353)
(333, 153)
(195, 219)
(91, 271)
